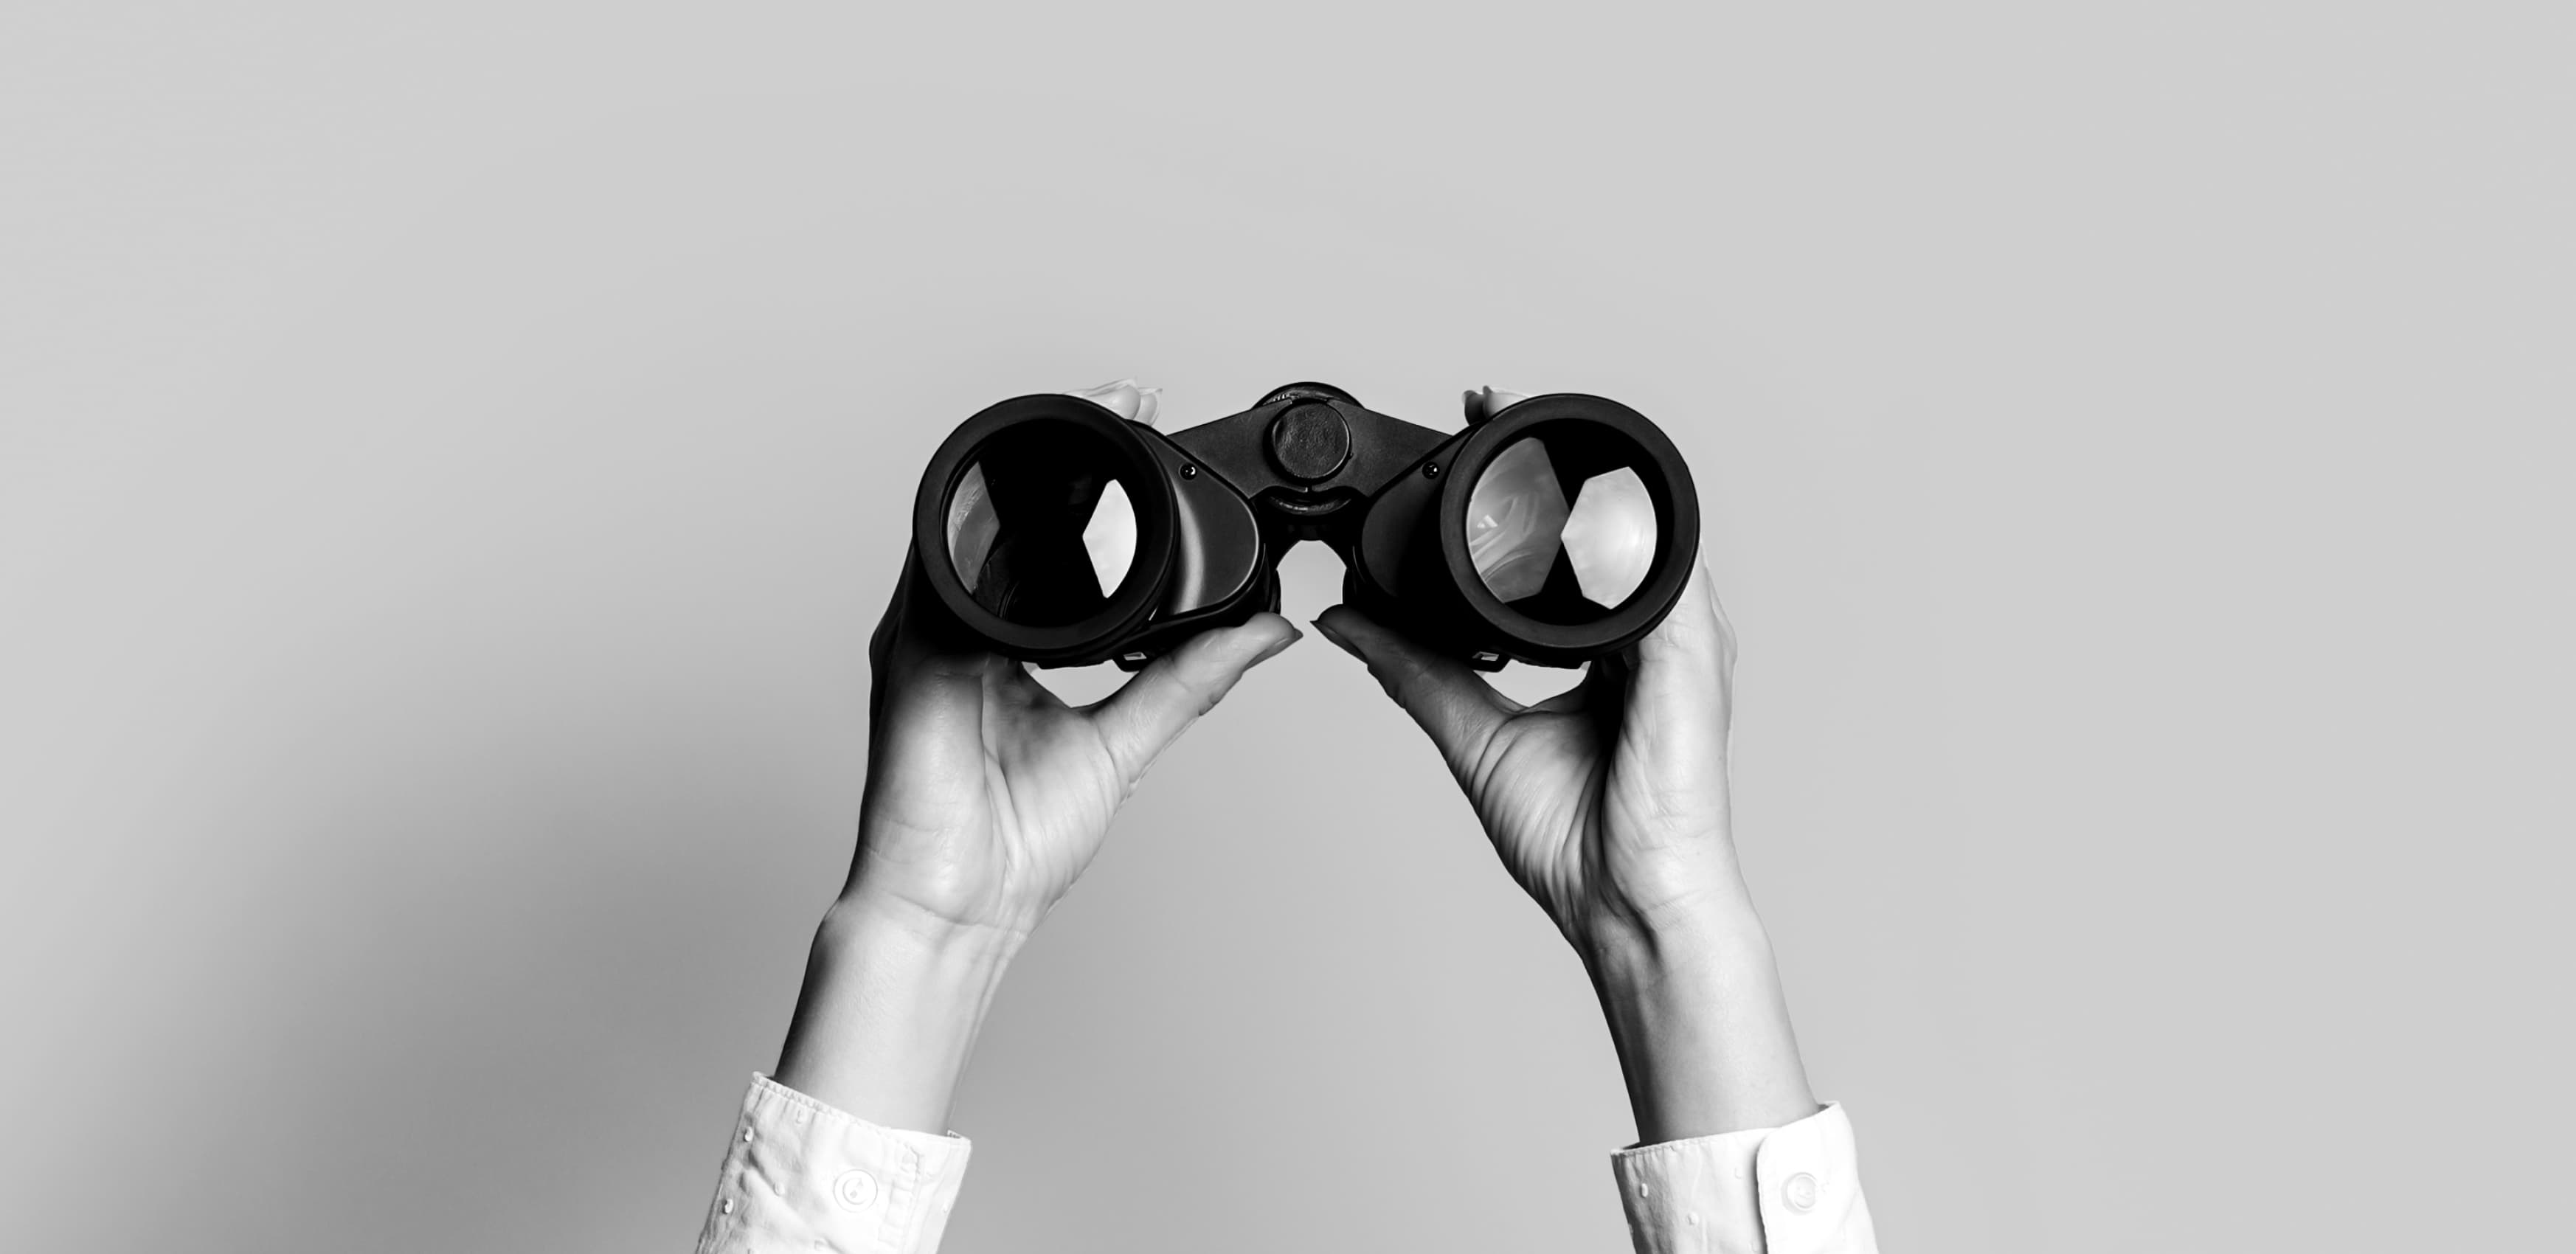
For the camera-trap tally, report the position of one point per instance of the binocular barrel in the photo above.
(1555, 531)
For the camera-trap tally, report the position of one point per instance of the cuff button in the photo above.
(855, 1190)
(1801, 1192)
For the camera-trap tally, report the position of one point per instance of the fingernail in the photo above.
(1497, 400)
(1339, 640)
(1275, 650)
(1122, 397)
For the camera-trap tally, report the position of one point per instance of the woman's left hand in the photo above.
(986, 797)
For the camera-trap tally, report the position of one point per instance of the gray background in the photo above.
(449, 463)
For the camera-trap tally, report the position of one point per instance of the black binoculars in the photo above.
(1554, 531)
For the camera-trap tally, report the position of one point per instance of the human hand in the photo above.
(986, 797)
(1609, 804)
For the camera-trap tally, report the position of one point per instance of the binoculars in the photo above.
(1557, 530)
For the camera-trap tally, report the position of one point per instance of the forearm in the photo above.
(1701, 1025)
(889, 1013)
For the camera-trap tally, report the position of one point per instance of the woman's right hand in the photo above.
(1609, 805)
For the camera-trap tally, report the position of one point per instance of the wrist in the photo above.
(899, 930)
(1677, 920)
(1696, 1012)
(1634, 956)
(890, 1010)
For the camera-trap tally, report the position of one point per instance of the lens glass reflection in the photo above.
(1558, 559)
(1513, 519)
(1040, 530)
(1610, 536)
(1110, 537)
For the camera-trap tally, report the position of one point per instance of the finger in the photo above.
(1118, 396)
(918, 640)
(1455, 707)
(1017, 681)
(881, 641)
(1125, 399)
(1694, 635)
(881, 644)
(1600, 689)
(1486, 402)
(1143, 718)
(1683, 674)
(918, 627)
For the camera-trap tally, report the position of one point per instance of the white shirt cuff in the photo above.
(1786, 1190)
(801, 1175)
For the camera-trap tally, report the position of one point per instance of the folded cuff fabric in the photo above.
(1786, 1190)
(801, 1175)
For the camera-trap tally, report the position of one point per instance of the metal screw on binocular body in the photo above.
(1553, 532)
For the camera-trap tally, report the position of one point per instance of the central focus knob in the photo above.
(1309, 442)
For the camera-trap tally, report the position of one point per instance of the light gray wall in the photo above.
(449, 464)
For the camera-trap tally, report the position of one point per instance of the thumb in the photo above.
(1144, 717)
(1458, 709)
(1485, 402)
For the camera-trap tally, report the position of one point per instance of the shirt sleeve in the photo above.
(1787, 1190)
(804, 1176)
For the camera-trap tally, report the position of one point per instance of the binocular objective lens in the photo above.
(1040, 530)
(1610, 536)
(1514, 518)
(1554, 558)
